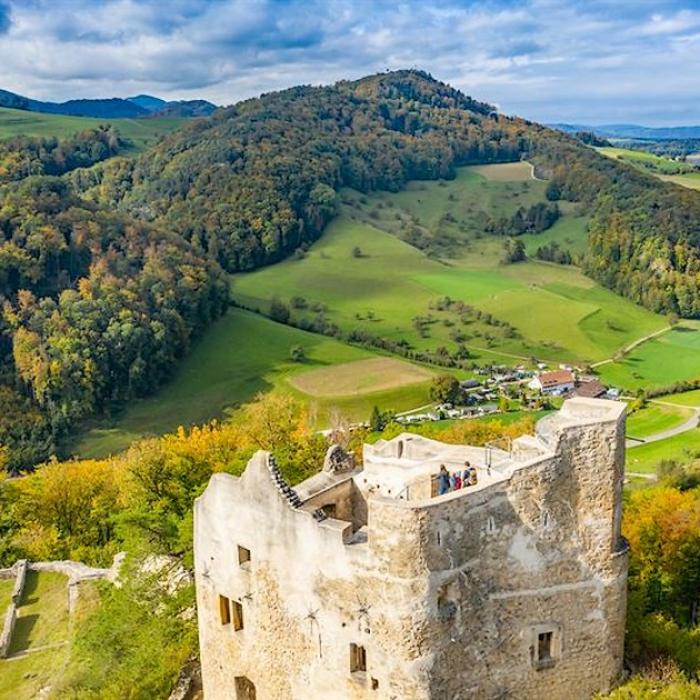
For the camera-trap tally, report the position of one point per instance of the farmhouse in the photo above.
(361, 583)
(590, 388)
(557, 382)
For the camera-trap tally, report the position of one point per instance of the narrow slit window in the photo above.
(243, 556)
(224, 610)
(237, 610)
(358, 658)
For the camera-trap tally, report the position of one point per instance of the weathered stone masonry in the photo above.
(360, 583)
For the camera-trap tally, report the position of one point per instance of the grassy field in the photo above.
(687, 398)
(664, 168)
(654, 418)
(690, 180)
(240, 356)
(139, 132)
(662, 361)
(683, 448)
(40, 638)
(559, 314)
(359, 377)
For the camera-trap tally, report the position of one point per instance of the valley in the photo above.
(394, 291)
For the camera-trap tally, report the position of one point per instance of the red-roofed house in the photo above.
(558, 382)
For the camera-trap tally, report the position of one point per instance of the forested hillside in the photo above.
(98, 306)
(257, 181)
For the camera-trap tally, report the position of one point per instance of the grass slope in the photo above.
(139, 132)
(241, 355)
(561, 314)
(42, 629)
(654, 418)
(664, 168)
(683, 448)
(659, 362)
(687, 398)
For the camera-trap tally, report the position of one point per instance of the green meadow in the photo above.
(683, 448)
(663, 167)
(240, 356)
(139, 132)
(655, 418)
(559, 314)
(659, 362)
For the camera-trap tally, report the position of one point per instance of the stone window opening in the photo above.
(375, 684)
(545, 646)
(243, 557)
(545, 519)
(490, 525)
(237, 610)
(358, 659)
(224, 610)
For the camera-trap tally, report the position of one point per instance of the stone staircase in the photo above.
(286, 491)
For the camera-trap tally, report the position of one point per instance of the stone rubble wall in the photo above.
(75, 571)
(20, 573)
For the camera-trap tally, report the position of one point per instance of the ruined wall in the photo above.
(539, 553)
(447, 596)
(306, 597)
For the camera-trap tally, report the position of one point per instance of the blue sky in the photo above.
(589, 61)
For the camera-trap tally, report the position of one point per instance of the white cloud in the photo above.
(547, 59)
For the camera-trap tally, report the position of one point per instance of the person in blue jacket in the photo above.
(443, 480)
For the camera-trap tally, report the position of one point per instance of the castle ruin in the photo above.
(362, 583)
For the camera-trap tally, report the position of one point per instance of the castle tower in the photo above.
(361, 583)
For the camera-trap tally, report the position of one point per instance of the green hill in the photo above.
(558, 314)
(140, 133)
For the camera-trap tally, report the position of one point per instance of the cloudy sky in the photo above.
(591, 61)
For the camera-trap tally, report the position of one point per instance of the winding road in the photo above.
(690, 424)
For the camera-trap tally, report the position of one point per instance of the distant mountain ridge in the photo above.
(140, 106)
(633, 131)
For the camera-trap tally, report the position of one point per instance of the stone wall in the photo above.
(76, 572)
(20, 574)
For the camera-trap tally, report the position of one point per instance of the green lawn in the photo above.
(139, 132)
(42, 629)
(560, 314)
(654, 418)
(683, 448)
(669, 358)
(241, 355)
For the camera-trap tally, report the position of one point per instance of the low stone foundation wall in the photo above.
(20, 573)
(74, 571)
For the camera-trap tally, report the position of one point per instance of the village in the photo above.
(501, 388)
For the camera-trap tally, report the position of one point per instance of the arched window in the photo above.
(400, 452)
